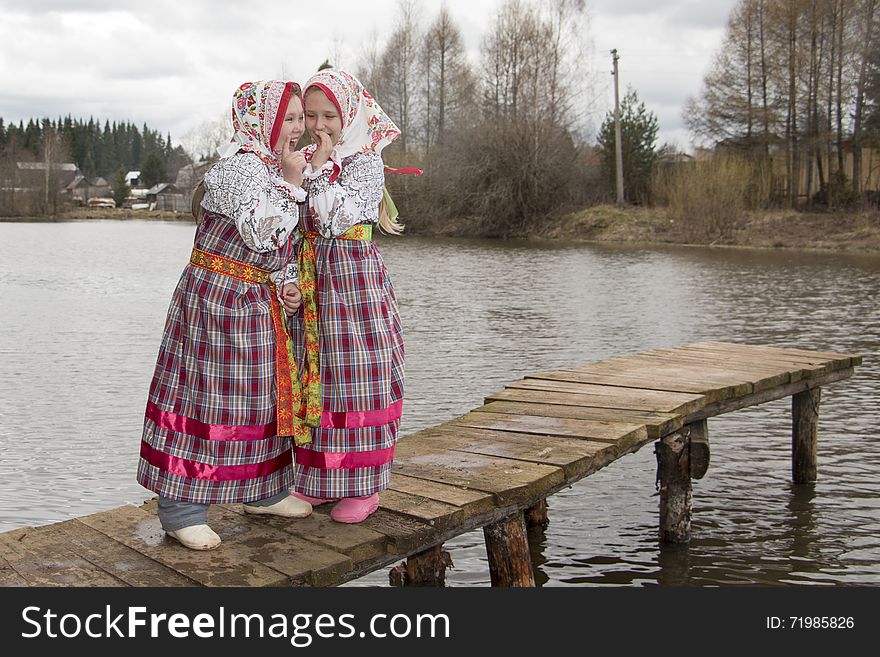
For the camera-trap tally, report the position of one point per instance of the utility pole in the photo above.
(618, 145)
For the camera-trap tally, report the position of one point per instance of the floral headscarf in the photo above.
(258, 110)
(365, 126)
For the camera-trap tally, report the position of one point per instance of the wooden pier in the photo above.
(492, 468)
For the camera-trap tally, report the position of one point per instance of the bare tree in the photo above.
(53, 153)
(396, 82)
(202, 141)
(868, 11)
(449, 83)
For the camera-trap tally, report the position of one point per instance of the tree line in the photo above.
(97, 150)
(107, 151)
(800, 80)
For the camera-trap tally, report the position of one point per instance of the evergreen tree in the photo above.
(638, 129)
(32, 137)
(120, 188)
(153, 169)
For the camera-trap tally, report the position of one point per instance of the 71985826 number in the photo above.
(821, 622)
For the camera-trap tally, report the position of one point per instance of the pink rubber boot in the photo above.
(314, 501)
(355, 509)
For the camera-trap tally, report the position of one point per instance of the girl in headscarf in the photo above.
(348, 336)
(221, 405)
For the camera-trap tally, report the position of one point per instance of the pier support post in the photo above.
(674, 477)
(427, 568)
(536, 515)
(805, 435)
(699, 448)
(508, 550)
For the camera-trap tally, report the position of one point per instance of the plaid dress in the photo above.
(362, 373)
(209, 430)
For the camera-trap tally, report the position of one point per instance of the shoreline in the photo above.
(110, 214)
(827, 232)
(852, 232)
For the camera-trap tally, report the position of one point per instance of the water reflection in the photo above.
(80, 340)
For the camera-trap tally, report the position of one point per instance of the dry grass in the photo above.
(709, 199)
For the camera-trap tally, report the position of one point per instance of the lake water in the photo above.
(83, 306)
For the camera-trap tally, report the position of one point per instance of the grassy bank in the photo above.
(854, 231)
(776, 229)
(83, 214)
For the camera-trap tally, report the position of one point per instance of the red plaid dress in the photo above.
(362, 373)
(209, 431)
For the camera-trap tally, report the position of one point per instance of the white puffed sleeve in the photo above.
(352, 198)
(265, 209)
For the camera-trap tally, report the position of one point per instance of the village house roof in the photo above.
(79, 181)
(41, 166)
(158, 188)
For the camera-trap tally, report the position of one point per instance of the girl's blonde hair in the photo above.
(387, 223)
(198, 195)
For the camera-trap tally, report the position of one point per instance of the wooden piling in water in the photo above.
(508, 550)
(536, 515)
(805, 435)
(427, 568)
(674, 475)
(699, 448)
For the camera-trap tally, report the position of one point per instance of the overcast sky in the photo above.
(174, 63)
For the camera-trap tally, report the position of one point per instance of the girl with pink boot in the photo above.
(348, 336)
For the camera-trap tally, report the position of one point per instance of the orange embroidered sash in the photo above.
(290, 398)
(311, 381)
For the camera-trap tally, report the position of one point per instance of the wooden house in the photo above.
(167, 197)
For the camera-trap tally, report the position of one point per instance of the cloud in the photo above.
(174, 63)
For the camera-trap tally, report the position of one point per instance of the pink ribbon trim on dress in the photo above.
(358, 419)
(194, 470)
(192, 427)
(347, 460)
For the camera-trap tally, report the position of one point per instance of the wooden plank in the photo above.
(354, 541)
(653, 399)
(659, 364)
(303, 561)
(41, 560)
(713, 389)
(122, 562)
(551, 426)
(746, 361)
(228, 565)
(729, 405)
(577, 457)
(811, 365)
(439, 515)
(569, 399)
(8, 576)
(512, 482)
(471, 502)
(657, 424)
(405, 534)
(647, 371)
(854, 359)
(761, 376)
(683, 402)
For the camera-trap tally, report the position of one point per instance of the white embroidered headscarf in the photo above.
(258, 110)
(365, 125)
